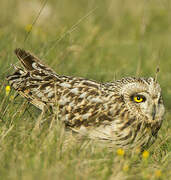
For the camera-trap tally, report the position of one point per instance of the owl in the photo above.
(127, 113)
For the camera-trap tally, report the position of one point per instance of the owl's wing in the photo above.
(80, 101)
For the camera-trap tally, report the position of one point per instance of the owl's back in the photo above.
(80, 101)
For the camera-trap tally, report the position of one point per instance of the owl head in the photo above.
(142, 97)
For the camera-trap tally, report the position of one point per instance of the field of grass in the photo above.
(101, 40)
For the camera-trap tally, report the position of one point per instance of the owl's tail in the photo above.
(32, 80)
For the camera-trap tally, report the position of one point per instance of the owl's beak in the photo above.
(153, 111)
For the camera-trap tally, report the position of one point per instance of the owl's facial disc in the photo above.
(148, 105)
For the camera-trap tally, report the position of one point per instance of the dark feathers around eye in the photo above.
(137, 95)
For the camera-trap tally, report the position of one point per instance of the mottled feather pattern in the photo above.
(98, 110)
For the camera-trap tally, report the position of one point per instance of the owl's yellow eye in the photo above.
(139, 98)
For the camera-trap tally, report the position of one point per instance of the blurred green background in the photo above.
(101, 40)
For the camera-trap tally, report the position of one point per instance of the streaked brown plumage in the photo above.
(106, 111)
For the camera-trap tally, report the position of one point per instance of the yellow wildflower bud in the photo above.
(125, 168)
(158, 173)
(28, 27)
(120, 152)
(145, 154)
(11, 98)
(7, 90)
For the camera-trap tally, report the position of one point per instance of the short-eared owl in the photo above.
(127, 112)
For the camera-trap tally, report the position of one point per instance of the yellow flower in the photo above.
(145, 154)
(120, 152)
(125, 168)
(28, 27)
(11, 98)
(158, 173)
(7, 90)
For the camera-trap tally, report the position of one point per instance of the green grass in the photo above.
(119, 38)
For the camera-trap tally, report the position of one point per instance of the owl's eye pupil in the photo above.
(138, 98)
